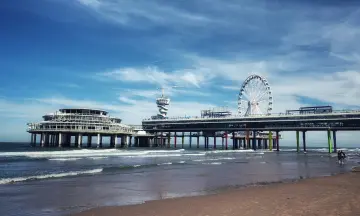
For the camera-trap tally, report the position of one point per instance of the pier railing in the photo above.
(335, 112)
(78, 128)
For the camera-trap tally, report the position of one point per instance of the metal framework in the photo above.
(255, 97)
(216, 112)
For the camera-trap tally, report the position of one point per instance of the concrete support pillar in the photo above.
(247, 136)
(334, 138)
(130, 142)
(259, 143)
(207, 142)
(68, 140)
(42, 140)
(116, 141)
(47, 139)
(329, 141)
(60, 140)
(277, 141)
(270, 141)
(50, 137)
(76, 140)
(265, 143)
(254, 140)
(32, 139)
(226, 140)
(233, 140)
(99, 141)
(169, 139)
(126, 141)
(35, 135)
(214, 141)
(161, 139)
(89, 139)
(190, 139)
(297, 141)
(240, 143)
(79, 141)
(182, 140)
(304, 140)
(198, 141)
(222, 142)
(175, 139)
(51, 140)
(55, 142)
(136, 142)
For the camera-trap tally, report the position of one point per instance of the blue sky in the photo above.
(114, 54)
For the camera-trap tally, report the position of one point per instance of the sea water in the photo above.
(44, 181)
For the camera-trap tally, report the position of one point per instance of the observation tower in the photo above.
(162, 103)
(57, 128)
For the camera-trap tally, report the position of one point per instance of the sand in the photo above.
(329, 196)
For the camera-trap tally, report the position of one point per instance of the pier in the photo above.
(84, 128)
(244, 131)
(253, 127)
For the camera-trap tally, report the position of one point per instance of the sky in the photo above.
(115, 54)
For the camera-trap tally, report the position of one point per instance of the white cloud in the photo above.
(133, 13)
(155, 76)
(69, 85)
(127, 100)
(90, 3)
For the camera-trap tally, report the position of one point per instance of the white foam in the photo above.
(230, 151)
(168, 163)
(214, 159)
(195, 154)
(212, 163)
(98, 158)
(155, 156)
(64, 159)
(181, 162)
(91, 153)
(47, 176)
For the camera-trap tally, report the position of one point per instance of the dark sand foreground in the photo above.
(335, 195)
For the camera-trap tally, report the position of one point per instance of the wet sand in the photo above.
(330, 196)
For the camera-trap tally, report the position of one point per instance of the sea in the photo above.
(45, 181)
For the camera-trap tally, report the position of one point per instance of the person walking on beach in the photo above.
(341, 157)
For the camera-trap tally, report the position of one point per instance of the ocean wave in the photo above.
(230, 151)
(212, 163)
(214, 159)
(154, 156)
(49, 176)
(125, 167)
(93, 153)
(166, 163)
(64, 159)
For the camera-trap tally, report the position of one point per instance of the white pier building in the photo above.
(57, 129)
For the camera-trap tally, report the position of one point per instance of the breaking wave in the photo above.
(49, 176)
(92, 154)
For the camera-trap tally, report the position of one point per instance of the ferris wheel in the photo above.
(255, 97)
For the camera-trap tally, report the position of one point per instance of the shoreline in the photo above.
(337, 194)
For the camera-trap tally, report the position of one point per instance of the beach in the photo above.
(330, 196)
